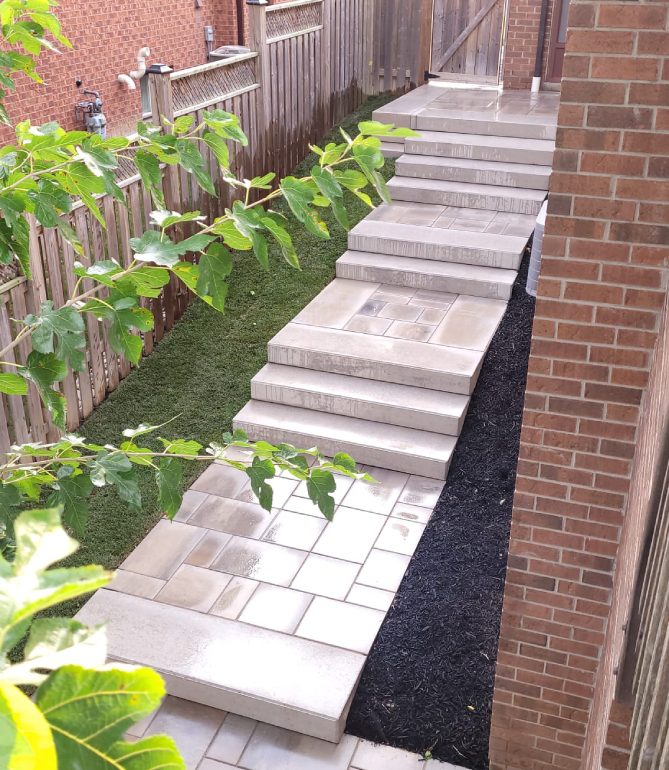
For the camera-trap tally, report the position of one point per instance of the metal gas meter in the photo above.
(89, 113)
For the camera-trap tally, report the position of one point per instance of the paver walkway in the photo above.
(270, 616)
(213, 740)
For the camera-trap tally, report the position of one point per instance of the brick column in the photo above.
(521, 42)
(597, 317)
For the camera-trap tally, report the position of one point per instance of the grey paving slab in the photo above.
(163, 549)
(474, 171)
(333, 306)
(439, 244)
(435, 119)
(479, 196)
(191, 725)
(366, 399)
(274, 749)
(389, 446)
(453, 370)
(475, 280)
(470, 323)
(492, 148)
(341, 624)
(232, 666)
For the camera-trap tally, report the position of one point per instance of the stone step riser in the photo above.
(473, 151)
(439, 252)
(488, 176)
(392, 149)
(485, 127)
(340, 363)
(376, 456)
(402, 190)
(365, 448)
(308, 396)
(415, 274)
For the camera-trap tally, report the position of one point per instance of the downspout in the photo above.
(536, 80)
(240, 22)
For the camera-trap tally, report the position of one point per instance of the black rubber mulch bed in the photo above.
(428, 681)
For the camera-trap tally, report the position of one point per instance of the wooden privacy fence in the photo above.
(314, 61)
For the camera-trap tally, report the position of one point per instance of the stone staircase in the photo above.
(383, 361)
(270, 616)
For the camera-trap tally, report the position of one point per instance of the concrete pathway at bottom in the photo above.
(210, 739)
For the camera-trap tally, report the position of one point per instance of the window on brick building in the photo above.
(558, 37)
(146, 95)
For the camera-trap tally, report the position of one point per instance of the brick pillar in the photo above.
(521, 42)
(597, 317)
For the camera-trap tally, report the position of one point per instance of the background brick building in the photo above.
(106, 38)
(598, 314)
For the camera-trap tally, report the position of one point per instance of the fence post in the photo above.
(258, 42)
(162, 107)
(327, 48)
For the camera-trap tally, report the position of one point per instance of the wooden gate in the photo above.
(467, 39)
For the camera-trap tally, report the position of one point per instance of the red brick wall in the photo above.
(521, 42)
(106, 37)
(602, 285)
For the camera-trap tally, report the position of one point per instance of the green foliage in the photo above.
(79, 715)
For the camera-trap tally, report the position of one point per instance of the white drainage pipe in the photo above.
(127, 81)
(142, 55)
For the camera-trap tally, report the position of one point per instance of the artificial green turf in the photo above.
(200, 373)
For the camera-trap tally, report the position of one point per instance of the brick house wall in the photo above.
(106, 37)
(602, 285)
(521, 42)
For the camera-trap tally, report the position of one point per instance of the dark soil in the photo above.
(428, 682)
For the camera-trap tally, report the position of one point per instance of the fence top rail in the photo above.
(214, 65)
(12, 283)
(292, 4)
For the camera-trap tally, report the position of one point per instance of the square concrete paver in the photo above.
(351, 535)
(273, 749)
(277, 608)
(221, 480)
(400, 536)
(163, 549)
(383, 570)
(326, 576)
(234, 517)
(191, 725)
(260, 561)
(342, 625)
(135, 584)
(375, 598)
(195, 588)
(234, 598)
(295, 530)
(231, 739)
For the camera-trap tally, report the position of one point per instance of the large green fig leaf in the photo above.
(89, 712)
(25, 738)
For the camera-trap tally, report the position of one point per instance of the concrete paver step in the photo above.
(389, 446)
(475, 147)
(496, 173)
(448, 120)
(383, 402)
(474, 280)
(392, 149)
(435, 243)
(388, 359)
(236, 667)
(476, 196)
